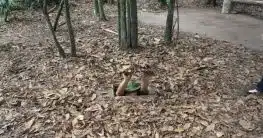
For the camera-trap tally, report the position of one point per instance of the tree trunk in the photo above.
(178, 22)
(61, 5)
(163, 3)
(110, 1)
(227, 6)
(119, 21)
(101, 11)
(169, 22)
(128, 23)
(70, 30)
(96, 7)
(134, 24)
(6, 12)
(60, 49)
(123, 23)
(213, 2)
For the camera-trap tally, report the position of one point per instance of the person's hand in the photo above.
(127, 75)
(127, 72)
(147, 74)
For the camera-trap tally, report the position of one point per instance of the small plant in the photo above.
(7, 6)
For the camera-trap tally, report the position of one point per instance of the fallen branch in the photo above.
(110, 31)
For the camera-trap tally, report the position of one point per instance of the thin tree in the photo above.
(96, 7)
(119, 20)
(102, 16)
(53, 28)
(162, 2)
(61, 5)
(212, 1)
(123, 23)
(169, 22)
(128, 23)
(99, 10)
(70, 30)
(110, 1)
(45, 12)
(134, 23)
(177, 22)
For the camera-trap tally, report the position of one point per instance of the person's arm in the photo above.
(127, 74)
(144, 85)
(122, 86)
(145, 81)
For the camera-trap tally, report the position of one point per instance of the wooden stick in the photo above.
(110, 31)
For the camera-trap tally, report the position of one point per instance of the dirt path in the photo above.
(237, 28)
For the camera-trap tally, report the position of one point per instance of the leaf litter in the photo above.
(198, 90)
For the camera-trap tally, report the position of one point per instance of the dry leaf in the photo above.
(2, 100)
(260, 101)
(36, 127)
(93, 108)
(247, 125)
(157, 41)
(80, 100)
(78, 122)
(187, 126)
(79, 76)
(219, 134)
(211, 127)
(29, 124)
(93, 97)
(63, 91)
(170, 128)
(2, 131)
(80, 69)
(157, 135)
(59, 135)
(179, 130)
(204, 123)
(67, 116)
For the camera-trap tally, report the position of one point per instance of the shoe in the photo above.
(253, 91)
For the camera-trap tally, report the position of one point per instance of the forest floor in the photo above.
(199, 90)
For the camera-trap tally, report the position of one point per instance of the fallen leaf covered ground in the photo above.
(199, 89)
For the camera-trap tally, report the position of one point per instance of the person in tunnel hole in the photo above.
(259, 87)
(141, 89)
